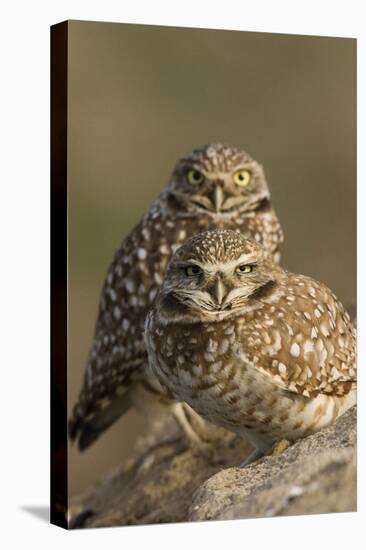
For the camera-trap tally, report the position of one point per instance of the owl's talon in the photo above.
(279, 447)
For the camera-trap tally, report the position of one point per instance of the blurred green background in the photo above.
(141, 96)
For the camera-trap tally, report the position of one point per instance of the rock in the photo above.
(316, 474)
(169, 482)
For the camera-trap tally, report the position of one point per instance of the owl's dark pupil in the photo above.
(192, 270)
(196, 175)
(241, 177)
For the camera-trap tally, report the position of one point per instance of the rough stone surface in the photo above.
(169, 482)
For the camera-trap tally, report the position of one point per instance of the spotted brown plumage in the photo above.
(216, 186)
(249, 346)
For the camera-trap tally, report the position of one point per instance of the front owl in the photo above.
(251, 347)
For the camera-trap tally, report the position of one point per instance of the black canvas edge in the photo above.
(59, 95)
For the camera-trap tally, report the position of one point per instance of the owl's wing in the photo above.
(308, 350)
(118, 355)
(272, 231)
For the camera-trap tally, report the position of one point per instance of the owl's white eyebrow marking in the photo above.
(227, 266)
(250, 165)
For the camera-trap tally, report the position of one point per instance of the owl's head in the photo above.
(216, 273)
(218, 179)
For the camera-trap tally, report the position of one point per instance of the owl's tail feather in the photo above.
(87, 430)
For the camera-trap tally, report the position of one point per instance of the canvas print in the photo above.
(203, 274)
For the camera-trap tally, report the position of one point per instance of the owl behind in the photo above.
(216, 186)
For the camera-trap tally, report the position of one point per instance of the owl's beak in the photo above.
(218, 198)
(219, 291)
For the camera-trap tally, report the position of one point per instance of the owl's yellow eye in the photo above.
(244, 268)
(242, 178)
(195, 177)
(192, 270)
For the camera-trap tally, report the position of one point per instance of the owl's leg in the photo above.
(188, 420)
(194, 418)
(205, 439)
(261, 444)
(255, 455)
(194, 439)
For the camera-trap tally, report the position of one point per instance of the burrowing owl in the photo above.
(215, 186)
(251, 347)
